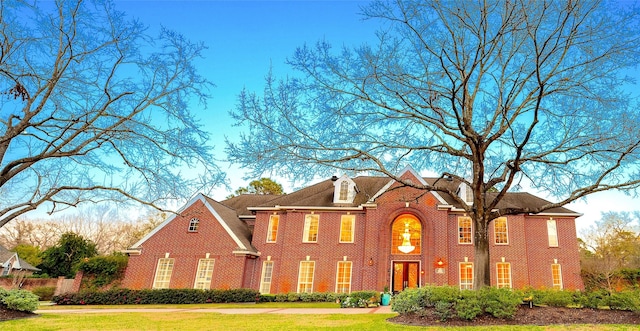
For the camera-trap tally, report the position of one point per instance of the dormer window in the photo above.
(465, 193)
(193, 225)
(344, 190)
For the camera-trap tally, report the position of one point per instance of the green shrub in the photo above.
(293, 297)
(437, 294)
(21, 300)
(468, 306)
(557, 298)
(44, 293)
(444, 310)
(625, 300)
(409, 301)
(160, 296)
(267, 298)
(282, 297)
(306, 297)
(499, 302)
(595, 299)
(103, 270)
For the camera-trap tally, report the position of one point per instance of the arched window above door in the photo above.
(406, 235)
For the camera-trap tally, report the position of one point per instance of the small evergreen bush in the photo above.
(21, 300)
(625, 300)
(267, 298)
(410, 301)
(468, 306)
(499, 302)
(444, 310)
(44, 293)
(557, 298)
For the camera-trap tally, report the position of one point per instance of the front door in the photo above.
(405, 274)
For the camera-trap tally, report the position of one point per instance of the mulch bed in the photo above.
(530, 316)
(7, 314)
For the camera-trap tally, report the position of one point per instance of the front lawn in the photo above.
(213, 321)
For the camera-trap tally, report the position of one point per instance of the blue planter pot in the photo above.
(385, 299)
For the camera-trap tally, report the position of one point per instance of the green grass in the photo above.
(215, 321)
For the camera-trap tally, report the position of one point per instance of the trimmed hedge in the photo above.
(160, 296)
(445, 301)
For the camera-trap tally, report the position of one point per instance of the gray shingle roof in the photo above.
(321, 195)
(237, 226)
(6, 255)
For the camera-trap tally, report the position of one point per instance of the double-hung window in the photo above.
(466, 275)
(265, 278)
(347, 226)
(464, 230)
(501, 231)
(504, 274)
(552, 233)
(343, 277)
(310, 234)
(204, 274)
(305, 276)
(272, 233)
(556, 275)
(163, 273)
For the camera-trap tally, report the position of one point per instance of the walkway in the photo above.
(239, 311)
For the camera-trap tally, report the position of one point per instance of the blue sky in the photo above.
(246, 38)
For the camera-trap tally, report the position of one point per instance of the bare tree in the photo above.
(94, 109)
(103, 226)
(610, 245)
(491, 93)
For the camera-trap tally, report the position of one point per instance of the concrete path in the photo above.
(239, 311)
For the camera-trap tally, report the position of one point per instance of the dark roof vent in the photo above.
(334, 178)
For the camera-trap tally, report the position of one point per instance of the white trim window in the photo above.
(503, 269)
(347, 227)
(552, 232)
(193, 225)
(465, 230)
(266, 277)
(164, 269)
(501, 231)
(344, 190)
(305, 276)
(343, 277)
(272, 233)
(311, 224)
(204, 274)
(466, 275)
(556, 276)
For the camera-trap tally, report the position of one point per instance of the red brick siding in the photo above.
(187, 248)
(528, 250)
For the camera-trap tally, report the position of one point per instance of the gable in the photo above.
(226, 217)
(409, 174)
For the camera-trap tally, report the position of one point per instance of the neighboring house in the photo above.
(348, 234)
(12, 264)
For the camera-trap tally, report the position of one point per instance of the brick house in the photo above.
(12, 264)
(348, 234)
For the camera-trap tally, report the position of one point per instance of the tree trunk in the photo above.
(481, 263)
